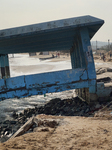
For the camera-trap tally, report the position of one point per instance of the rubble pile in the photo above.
(66, 107)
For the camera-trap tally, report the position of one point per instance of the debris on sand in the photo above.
(67, 107)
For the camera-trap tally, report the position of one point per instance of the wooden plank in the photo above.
(24, 128)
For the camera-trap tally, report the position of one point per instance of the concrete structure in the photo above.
(72, 34)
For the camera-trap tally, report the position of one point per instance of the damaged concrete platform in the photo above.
(73, 34)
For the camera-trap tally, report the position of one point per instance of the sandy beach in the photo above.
(73, 133)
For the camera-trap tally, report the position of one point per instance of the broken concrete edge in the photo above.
(103, 91)
(102, 94)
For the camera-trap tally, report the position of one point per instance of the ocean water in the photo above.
(37, 66)
(18, 105)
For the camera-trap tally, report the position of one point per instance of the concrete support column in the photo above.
(81, 53)
(7, 70)
(4, 67)
(72, 54)
(75, 56)
(89, 94)
(78, 60)
(84, 94)
(0, 68)
(90, 67)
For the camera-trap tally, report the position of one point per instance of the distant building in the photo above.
(44, 53)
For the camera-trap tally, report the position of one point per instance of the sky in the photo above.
(14, 13)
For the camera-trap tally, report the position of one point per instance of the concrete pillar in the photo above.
(0, 68)
(81, 53)
(4, 67)
(89, 94)
(72, 54)
(75, 56)
(7, 70)
(90, 67)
